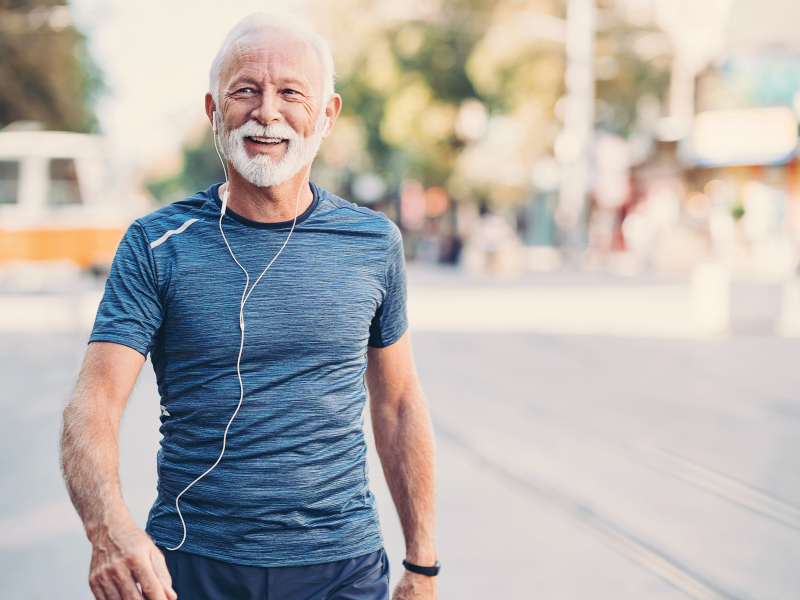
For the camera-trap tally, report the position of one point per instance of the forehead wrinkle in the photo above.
(254, 58)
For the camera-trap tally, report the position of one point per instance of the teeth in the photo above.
(265, 140)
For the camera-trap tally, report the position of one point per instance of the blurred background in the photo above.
(600, 204)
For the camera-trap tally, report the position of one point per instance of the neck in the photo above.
(273, 204)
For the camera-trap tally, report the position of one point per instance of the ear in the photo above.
(210, 110)
(332, 110)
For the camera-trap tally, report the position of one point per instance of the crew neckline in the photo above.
(259, 225)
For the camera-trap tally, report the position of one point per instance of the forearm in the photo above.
(122, 554)
(90, 463)
(90, 435)
(404, 440)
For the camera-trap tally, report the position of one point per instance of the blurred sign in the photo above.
(751, 136)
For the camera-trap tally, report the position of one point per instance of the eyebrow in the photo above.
(292, 81)
(243, 79)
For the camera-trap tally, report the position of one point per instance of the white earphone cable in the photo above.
(245, 296)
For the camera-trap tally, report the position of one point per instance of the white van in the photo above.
(57, 199)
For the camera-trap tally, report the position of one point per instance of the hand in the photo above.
(413, 586)
(122, 556)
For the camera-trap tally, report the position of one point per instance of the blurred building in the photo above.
(725, 187)
(704, 169)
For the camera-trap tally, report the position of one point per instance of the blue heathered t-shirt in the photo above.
(292, 488)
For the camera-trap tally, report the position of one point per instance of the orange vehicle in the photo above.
(57, 199)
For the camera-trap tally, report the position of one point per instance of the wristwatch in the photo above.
(429, 571)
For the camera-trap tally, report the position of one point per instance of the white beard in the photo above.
(261, 170)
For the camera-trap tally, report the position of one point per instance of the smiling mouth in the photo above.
(265, 141)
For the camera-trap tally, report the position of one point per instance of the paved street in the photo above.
(570, 466)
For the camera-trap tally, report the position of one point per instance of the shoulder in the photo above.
(366, 218)
(197, 203)
(177, 215)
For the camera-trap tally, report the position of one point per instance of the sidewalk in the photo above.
(448, 300)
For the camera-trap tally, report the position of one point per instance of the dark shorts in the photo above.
(199, 578)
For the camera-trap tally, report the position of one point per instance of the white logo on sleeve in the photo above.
(180, 229)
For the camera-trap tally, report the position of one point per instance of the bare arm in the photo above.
(122, 554)
(404, 440)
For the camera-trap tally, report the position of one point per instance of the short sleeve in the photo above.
(131, 310)
(391, 320)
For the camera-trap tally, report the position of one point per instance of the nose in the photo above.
(267, 110)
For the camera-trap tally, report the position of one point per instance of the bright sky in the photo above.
(155, 55)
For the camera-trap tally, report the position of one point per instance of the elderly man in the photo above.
(265, 303)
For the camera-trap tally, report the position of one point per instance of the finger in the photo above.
(97, 589)
(126, 584)
(152, 587)
(162, 572)
(109, 588)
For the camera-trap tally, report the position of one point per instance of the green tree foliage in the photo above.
(402, 80)
(46, 72)
(405, 72)
(406, 77)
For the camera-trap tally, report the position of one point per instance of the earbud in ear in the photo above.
(214, 121)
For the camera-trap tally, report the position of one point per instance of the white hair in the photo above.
(274, 22)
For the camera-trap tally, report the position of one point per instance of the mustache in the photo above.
(273, 130)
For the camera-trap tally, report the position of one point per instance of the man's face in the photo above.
(272, 111)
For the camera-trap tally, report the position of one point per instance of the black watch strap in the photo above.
(429, 571)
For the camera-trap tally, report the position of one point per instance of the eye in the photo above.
(291, 92)
(244, 91)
